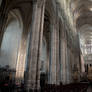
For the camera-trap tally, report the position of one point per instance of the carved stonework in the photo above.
(40, 3)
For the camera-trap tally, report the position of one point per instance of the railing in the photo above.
(74, 87)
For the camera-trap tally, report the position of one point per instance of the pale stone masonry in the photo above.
(35, 35)
(41, 19)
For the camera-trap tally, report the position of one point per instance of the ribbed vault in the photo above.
(82, 15)
(79, 13)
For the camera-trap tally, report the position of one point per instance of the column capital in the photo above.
(39, 3)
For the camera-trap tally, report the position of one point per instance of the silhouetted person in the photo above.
(42, 81)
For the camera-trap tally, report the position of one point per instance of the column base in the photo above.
(31, 86)
(33, 90)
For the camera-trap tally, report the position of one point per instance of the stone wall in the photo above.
(62, 43)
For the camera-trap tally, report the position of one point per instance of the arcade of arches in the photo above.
(46, 37)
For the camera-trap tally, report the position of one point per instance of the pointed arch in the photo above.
(11, 39)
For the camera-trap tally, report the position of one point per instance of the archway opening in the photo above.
(10, 44)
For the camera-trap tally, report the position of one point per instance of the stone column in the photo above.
(72, 56)
(1, 36)
(78, 65)
(62, 56)
(71, 64)
(57, 55)
(68, 64)
(52, 77)
(22, 53)
(33, 67)
(66, 61)
(58, 64)
(82, 64)
(3, 20)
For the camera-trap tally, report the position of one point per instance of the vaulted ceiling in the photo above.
(80, 16)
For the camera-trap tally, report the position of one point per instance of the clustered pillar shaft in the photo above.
(61, 58)
(53, 55)
(33, 73)
(20, 66)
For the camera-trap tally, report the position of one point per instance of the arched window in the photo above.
(11, 41)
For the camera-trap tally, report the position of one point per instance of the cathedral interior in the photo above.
(46, 45)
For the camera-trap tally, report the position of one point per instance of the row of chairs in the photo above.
(74, 87)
